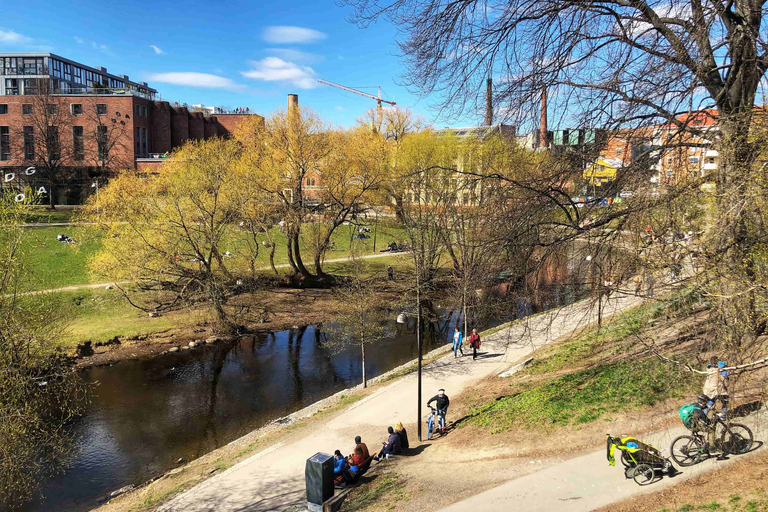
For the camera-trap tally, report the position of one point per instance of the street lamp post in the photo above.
(401, 318)
(95, 185)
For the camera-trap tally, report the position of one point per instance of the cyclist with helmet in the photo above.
(716, 385)
(441, 403)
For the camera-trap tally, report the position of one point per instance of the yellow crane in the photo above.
(378, 99)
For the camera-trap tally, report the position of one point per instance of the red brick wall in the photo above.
(161, 127)
(228, 122)
(196, 126)
(179, 126)
(210, 127)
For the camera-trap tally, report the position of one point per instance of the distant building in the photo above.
(603, 171)
(90, 103)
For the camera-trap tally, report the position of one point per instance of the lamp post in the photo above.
(401, 319)
(589, 258)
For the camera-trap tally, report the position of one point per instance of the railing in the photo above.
(109, 91)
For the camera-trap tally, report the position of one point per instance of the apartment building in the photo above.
(95, 123)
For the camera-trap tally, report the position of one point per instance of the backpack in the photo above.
(688, 415)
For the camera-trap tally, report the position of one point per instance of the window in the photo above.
(310, 182)
(68, 72)
(78, 148)
(77, 75)
(669, 160)
(144, 111)
(11, 86)
(30, 86)
(711, 160)
(76, 108)
(102, 140)
(693, 160)
(52, 142)
(669, 173)
(51, 109)
(11, 66)
(26, 109)
(618, 151)
(5, 143)
(56, 68)
(3, 108)
(101, 109)
(29, 143)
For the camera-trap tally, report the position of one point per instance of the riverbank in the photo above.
(266, 467)
(117, 331)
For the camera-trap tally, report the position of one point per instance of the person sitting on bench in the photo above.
(391, 447)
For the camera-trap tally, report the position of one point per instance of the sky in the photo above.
(235, 54)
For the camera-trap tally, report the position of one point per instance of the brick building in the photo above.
(94, 123)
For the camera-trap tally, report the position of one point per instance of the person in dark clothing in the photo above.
(441, 402)
(400, 430)
(391, 447)
(391, 273)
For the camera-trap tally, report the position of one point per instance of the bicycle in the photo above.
(735, 439)
(431, 429)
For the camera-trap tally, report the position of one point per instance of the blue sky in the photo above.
(235, 53)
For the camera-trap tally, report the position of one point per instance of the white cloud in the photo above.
(157, 49)
(295, 55)
(79, 40)
(337, 107)
(11, 37)
(282, 34)
(194, 79)
(218, 71)
(273, 69)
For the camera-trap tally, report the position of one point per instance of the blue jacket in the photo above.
(339, 465)
(454, 341)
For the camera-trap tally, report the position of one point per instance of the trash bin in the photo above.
(319, 478)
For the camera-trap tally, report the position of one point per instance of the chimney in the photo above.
(293, 104)
(489, 102)
(543, 132)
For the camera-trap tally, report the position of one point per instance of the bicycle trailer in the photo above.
(642, 462)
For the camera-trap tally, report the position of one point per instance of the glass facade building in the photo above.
(20, 73)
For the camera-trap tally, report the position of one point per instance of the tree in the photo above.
(46, 136)
(168, 233)
(363, 321)
(39, 394)
(106, 147)
(281, 155)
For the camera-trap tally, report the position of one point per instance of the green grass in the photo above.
(386, 486)
(46, 215)
(608, 341)
(585, 396)
(100, 315)
(54, 264)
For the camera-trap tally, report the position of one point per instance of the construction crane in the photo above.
(378, 99)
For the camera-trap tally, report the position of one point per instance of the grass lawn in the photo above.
(100, 315)
(46, 215)
(55, 264)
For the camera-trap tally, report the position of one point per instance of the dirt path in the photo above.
(273, 480)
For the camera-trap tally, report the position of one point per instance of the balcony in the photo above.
(712, 152)
(108, 91)
(710, 167)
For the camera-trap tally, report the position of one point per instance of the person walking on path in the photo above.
(474, 342)
(457, 342)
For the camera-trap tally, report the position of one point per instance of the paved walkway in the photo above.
(273, 480)
(588, 482)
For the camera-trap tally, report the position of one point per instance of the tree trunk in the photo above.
(297, 257)
(52, 195)
(289, 246)
(272, 258)
(362, 352)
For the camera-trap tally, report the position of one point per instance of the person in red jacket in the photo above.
(474, 342)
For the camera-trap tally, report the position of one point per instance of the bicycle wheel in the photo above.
(625, 459)
(644, 474)
(687, 450)
(736, 439)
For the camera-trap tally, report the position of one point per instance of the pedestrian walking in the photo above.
(390, 273)
(474, 342)
(457, 342)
